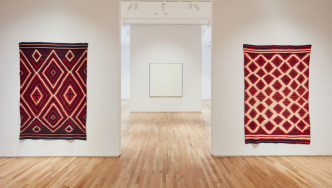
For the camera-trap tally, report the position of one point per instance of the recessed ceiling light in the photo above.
(130, 6)
(196, 6)
(163, 6)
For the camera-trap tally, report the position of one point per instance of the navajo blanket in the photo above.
(276, 94)
(53, 90)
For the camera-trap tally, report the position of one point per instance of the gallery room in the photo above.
(165, 93)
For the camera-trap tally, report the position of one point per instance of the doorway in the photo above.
(147, 25)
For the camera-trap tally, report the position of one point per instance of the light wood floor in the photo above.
(166, 150)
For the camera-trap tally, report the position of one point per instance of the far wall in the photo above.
(125, 72)
(166, 44)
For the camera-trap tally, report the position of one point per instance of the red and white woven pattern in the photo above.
(53, 90)
(276, 94)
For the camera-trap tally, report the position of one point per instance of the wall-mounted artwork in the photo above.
(277, 94)
(165, 80)
(53, 90)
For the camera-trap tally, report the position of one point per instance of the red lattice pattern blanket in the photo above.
(276, 94)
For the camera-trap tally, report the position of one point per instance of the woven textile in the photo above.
(276, 94)
(53, 90)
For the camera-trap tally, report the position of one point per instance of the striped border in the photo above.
(53, 45)
(277, 141)
(247, 48)
(295, 139)
(53, 136)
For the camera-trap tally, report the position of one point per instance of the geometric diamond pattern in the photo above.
(70, 94)
(54, 116)
(53, 71)
(277, 94)
(53, 90)
(70, 56)
(35, 96)
(69, 129)
(36, 55)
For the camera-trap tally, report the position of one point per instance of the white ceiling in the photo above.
(125, 35)
(150, 12)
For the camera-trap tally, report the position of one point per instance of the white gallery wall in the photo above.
(206, 66)
(206, 72)
(125, 72)
(269, 22)
(75, 21)
(165, 44)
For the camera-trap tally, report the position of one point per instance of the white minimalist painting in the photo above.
(165, 80)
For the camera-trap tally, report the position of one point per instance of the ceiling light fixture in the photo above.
(130, 6)
(203, 30)
(128, 31)
(163, 8)
(196, 6)
(190, 6)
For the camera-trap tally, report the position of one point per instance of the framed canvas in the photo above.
(166, 80)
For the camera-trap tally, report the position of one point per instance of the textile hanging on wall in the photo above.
(276, 94)
(53, 90)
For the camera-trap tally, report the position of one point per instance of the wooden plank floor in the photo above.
(166, 150)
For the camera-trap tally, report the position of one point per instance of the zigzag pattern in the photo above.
(53, 90)
(277, 94)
